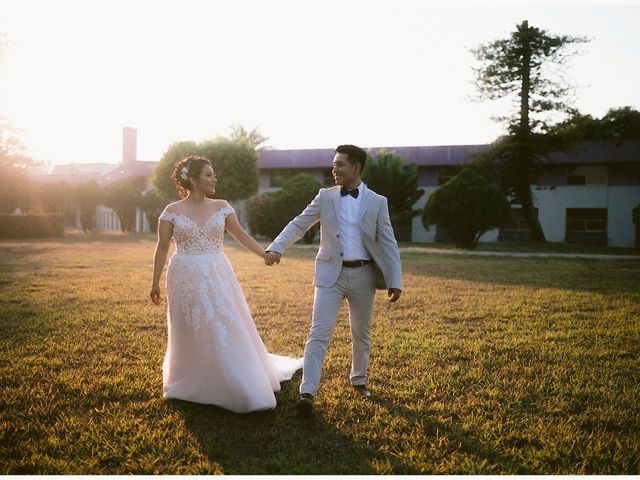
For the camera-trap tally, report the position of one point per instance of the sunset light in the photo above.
(307, 74)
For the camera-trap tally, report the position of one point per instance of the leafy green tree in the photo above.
(388, 175)
(618, 124)
(124, 198)
(525, 67)
(55, 197)
(161, 178)
(87, 197)
(152, 203)
(466, 206)
(14, 181)
(294, 197)
(236, 166)
(253, 137)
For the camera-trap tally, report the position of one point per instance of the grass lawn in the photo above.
(486, 365)
(534, 247)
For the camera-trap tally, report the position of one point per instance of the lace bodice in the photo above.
(194, 239)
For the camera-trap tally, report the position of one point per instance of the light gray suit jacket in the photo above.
(377, 236)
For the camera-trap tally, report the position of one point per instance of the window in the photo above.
(586, 219)
(587, 225)
(517, 227)
(518, 222)
(587, 176)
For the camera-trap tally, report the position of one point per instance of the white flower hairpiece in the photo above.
(184, 173)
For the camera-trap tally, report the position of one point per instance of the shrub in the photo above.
(294, 197)
(466, 206)
(31, 226)
(269, 213)
(259, 216)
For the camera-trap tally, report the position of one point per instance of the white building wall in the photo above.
(621, 229)
(619, 201)
(552, 204)
(420, 234)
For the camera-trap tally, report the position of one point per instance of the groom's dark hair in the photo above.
(355, 154)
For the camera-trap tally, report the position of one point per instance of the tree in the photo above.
(253, 137)
(152, 203)
(294, 197)
(235, 164)
(526, 67)
(54, 197)
(617, 124)
(161, 179)
(87, 197)
(124, 198)
(388, 175)
(14, 181)
(466, 206)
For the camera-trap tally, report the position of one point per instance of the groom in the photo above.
(358, 253)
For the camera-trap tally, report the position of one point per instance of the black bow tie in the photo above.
(345, 191)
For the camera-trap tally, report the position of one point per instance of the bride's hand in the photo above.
(155, 295)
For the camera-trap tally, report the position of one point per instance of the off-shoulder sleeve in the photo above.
(228, 210)
(166, 215)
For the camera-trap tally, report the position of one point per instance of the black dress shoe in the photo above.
(304, 406)
(362, 391)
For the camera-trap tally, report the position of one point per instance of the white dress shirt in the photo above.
(350, 232)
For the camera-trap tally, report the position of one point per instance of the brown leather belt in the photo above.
(356, 263)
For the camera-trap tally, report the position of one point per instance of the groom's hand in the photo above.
(271, 257)
(394, 294)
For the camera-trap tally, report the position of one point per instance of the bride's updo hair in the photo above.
(190, 166)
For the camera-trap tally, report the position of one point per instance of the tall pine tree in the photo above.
(526, 67)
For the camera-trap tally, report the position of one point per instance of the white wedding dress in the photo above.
(214, 353)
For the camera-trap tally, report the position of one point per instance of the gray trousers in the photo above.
(357, 286)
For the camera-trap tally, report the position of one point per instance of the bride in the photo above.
(214, 353)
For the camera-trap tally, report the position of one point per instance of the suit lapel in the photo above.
(336, 202)
(365, 203)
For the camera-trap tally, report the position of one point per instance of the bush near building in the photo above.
(466, 207)
(268, 214)
(31, 225)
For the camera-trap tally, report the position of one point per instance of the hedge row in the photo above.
(31, 226)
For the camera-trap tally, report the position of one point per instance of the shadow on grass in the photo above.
(465, 441)
(600, 276)
(275, 441)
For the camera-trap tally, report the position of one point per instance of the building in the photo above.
(586, 194)
(131, 167)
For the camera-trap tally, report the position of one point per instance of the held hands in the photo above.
(271, 257)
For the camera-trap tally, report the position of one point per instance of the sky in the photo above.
(307, 74)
